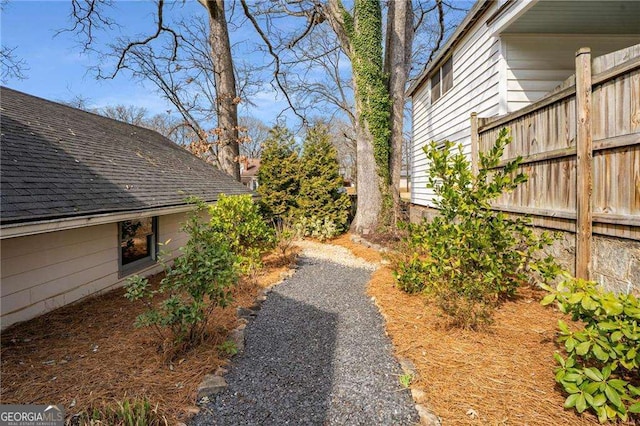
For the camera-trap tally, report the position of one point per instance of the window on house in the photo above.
(138, 243)
(442, 80)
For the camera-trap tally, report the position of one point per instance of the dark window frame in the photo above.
(442, 83)
(139, 264)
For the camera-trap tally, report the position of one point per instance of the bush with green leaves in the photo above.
(321, 194)
(601, 371)
(470, 257)
(238, 220)
(279, 174)
(316, 227)
(199, 280)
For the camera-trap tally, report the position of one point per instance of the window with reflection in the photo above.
(138, 242)
(442, 80)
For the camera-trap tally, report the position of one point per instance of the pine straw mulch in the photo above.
(504, 374)
(89, 355)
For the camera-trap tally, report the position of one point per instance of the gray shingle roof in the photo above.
(59, 162)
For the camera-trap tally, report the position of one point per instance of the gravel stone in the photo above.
(316, 354)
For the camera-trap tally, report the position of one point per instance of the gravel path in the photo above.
(315, 354)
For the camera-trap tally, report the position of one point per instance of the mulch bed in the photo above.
(89, 354)
(503, 375)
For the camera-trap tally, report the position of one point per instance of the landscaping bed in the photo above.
(503, 375)
(89, 355)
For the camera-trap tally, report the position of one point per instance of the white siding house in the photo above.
(85, 202)
(504, 56)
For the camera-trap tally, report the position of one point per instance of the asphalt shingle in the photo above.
(58, 161)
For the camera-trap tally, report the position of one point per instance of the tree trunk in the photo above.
(399, 42)
(369, 201)
(227, 98)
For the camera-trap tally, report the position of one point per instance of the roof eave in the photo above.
(474, 14)
(25, 228)
(22, 229)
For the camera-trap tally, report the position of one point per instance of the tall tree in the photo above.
(397, 63)
(225, 80)
(209, 54)
(380, 51)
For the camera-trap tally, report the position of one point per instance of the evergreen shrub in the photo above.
(470, 257)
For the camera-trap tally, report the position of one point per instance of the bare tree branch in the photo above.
(88, 16)
(275, 56)
(12, 65)
(441, 31)
(159, 30)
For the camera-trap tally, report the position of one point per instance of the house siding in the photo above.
(43, 272)
(493, 74)
(537, 63)
(477, 72)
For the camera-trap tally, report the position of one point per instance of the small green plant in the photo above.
(228, 347)
(199, 280)
(285, 234)
(237, 219)
(128, 412)
(316, 227)
(405, 380)
(470, 257)
(601, 371)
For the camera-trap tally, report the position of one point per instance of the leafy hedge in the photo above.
(601, 371)
(238, 220)
(199, 280)
(203, 276)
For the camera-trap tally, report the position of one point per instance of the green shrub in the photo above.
(199, 280)
(237, 219)
(601, 372)
(469, 257)
(279, 174)
(228, 347)
(322, 194)
(285, 235)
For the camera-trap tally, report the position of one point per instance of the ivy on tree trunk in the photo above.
(361, 37)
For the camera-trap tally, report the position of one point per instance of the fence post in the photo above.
(474, 143)
(584, 164)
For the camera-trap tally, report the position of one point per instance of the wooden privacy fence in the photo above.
(580, 146)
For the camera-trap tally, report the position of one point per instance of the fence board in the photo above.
(544, 134)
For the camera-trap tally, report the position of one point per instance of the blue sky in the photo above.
(59, 70)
